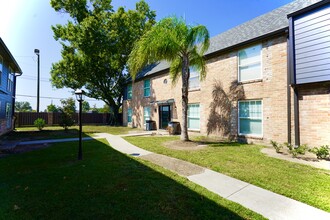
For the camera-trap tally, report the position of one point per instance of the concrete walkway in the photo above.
(264, 202)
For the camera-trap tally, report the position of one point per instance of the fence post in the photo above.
(50, 118)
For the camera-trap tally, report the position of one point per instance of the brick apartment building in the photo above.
(267, 79)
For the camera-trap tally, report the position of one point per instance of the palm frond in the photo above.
(175, 70)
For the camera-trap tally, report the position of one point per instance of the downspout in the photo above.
(289, 64)
(292, 77)
(296, 118)
(14, 98)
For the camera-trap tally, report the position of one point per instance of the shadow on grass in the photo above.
(42, 135)
(52, 184)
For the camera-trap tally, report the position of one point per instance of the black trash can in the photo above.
(149, 125)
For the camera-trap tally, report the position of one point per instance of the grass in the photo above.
(51, 184)
(246, 162)
(57, 132)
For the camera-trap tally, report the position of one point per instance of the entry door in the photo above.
(164, 116)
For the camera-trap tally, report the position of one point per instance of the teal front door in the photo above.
(164, 116)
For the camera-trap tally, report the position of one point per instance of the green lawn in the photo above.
(56, 132)
(246, 162)
(51, 184)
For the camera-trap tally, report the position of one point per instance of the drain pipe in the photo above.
(289, 70)
(296, 118)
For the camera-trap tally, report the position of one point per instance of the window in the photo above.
(250, 117)
(1, 68)
(146, 114)
(10, 82)
(129, 91)
(193, 79)
(193, 117)
(146, 88)
(8, 114)
(129, 115)
(249, 63)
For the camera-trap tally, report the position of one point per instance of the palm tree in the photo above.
(181, 45)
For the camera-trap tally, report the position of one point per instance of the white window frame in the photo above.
(144, 115)
(196, 75)
(199, 112)
(262, 118)
(10, 80)
(240, 66)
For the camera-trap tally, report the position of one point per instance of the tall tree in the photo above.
(23, 107)
(181, 45)
(96, 43)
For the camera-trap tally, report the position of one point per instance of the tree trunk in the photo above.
(114, 112)
(185, 86)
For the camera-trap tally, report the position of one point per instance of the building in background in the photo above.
(262, 83)
(9, 70)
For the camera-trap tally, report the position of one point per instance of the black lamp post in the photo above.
(80, 98)
(37, 52)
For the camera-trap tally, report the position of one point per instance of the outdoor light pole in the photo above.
(80, 98)
(37, 52)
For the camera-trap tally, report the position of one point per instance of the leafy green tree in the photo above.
(181, 45)
(52, 108)
(85, 106)
(23, 107)
(67, 109)
(96, 42)
(105, 109)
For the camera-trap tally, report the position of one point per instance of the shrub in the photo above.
(301, 149)
(277, 146)
(66, 120)
(39, 123)
(321, 152)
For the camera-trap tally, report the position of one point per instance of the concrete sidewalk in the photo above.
(264, 202)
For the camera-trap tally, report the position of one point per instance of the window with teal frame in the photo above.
(129, 115)
(129, 91)
(146, 114)
(250, 117)
(193, 117)
(146, 88)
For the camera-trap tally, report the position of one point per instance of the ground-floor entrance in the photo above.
(164, 116)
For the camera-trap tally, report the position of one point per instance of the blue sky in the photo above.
(26, 25)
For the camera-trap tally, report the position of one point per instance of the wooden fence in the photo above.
(53, 118)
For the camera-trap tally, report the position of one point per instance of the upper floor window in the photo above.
(193, 79)
(146, 88)
(249, 63)
(10, 82)
(129, 91)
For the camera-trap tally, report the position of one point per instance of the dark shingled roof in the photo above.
(266, 24)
